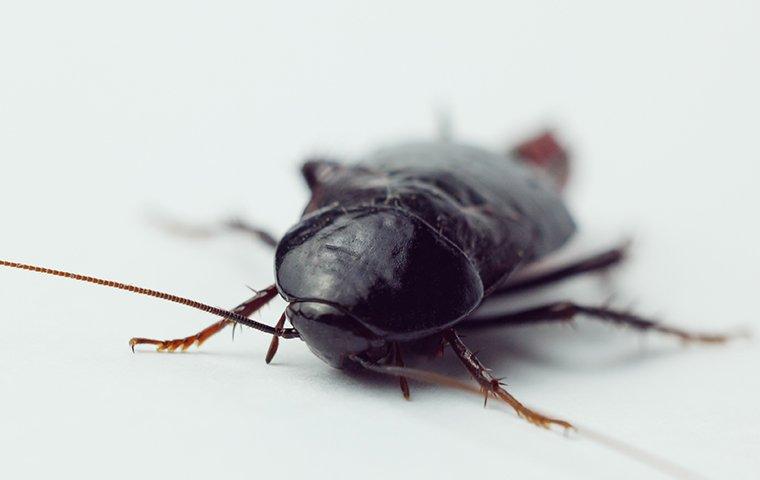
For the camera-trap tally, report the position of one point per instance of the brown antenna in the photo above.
(235, 317)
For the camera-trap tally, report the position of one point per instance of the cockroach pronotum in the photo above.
(393, 254)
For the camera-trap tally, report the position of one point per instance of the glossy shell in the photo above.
(411, 238)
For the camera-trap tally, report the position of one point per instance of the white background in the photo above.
(206, 110)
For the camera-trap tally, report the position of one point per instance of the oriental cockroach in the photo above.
(394, 253)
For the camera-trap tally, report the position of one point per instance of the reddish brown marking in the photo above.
(545, 153)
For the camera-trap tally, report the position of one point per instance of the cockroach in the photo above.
(394, 253)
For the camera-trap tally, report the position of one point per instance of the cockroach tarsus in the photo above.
(399, 249)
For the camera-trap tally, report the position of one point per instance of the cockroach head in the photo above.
(332, 334)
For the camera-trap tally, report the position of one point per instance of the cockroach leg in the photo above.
(566, 311)
(275, 343)
(183, 343)
(493, 386)
(594, 263)
(199, 231)
(246, 308)
(256, 232)
(399, 362)
(451, 382)
(415, 374)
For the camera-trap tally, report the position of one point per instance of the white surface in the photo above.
(207, 109)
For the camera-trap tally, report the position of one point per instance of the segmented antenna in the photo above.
(235, 317)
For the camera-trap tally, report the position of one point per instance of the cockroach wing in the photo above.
(501, 213)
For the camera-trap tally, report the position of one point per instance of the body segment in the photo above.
(407, 242)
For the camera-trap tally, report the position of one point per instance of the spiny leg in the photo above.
(647, 458)
(183, 343)
(246, 308)
(492, 386)
(594, 263)
(566, 311)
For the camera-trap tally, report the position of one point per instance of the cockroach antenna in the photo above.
(229, 315)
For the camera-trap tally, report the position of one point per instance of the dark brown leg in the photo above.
(180, 228)
(415, 374)
(255, 232)
(594, 263)
(492, 386)
(399, 362)
(566, 311)
(275, 343)
(246, 308)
